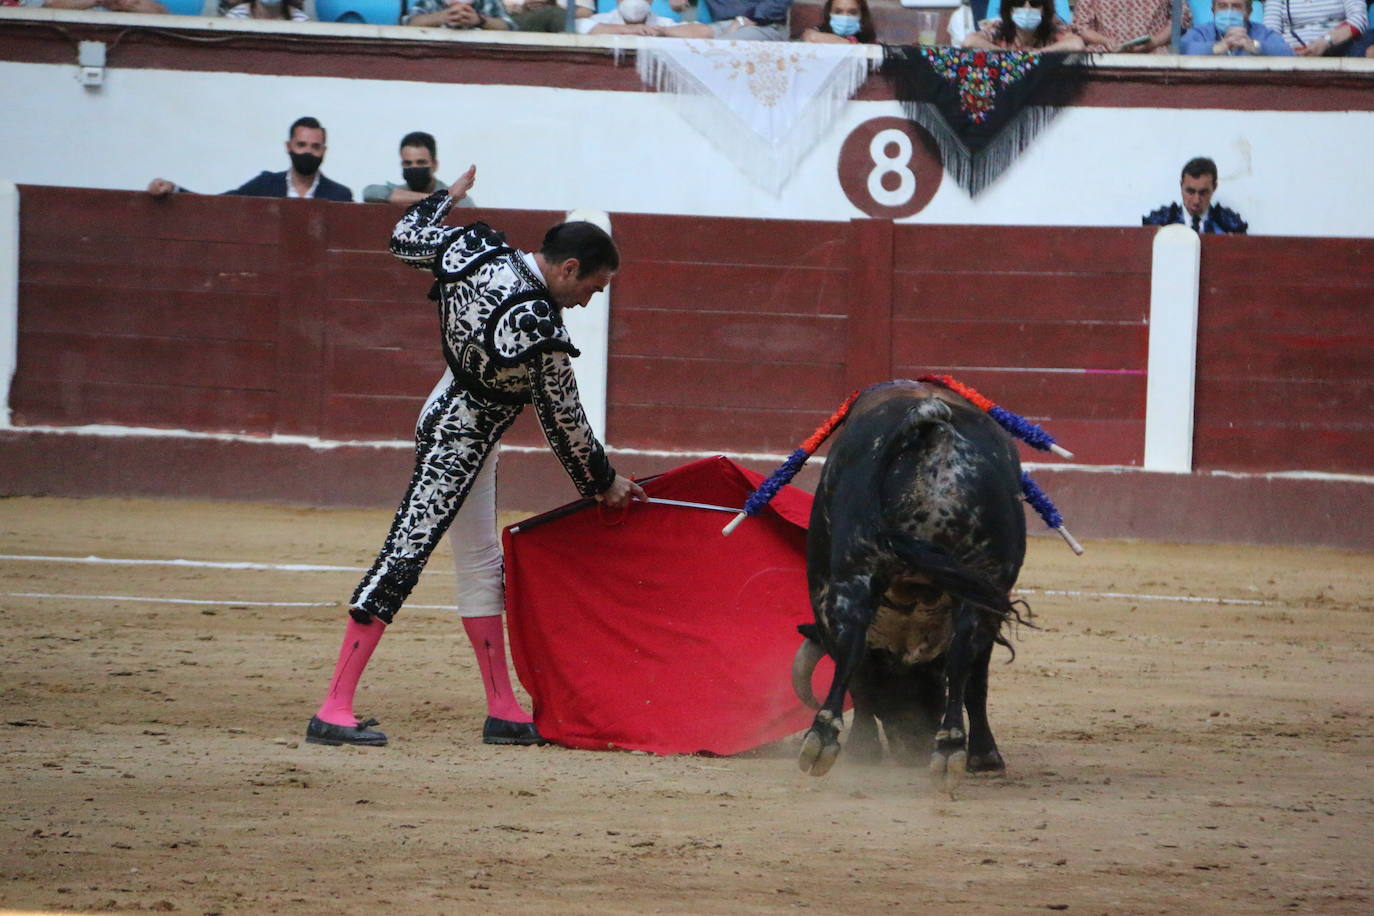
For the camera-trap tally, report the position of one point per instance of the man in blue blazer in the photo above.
(1231, 34)
(305, 145)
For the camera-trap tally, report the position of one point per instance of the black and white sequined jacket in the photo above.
(503, 335)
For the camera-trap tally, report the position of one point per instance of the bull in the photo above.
(916, 538)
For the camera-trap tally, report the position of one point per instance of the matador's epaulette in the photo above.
(468, 250)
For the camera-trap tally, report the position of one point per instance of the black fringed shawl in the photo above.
(982, 107)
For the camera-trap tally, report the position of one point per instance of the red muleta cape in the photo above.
(650, 631)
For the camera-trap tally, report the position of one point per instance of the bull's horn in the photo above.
(803, 663)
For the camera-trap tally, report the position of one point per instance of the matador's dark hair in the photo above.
(588, 242)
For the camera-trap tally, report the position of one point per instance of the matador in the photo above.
(500, 313)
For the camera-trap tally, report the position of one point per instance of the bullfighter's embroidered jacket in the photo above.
(502, 333)
(1220, 220)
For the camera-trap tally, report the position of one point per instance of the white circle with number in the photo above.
(890, 168)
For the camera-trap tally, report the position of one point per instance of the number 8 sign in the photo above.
(890, 167)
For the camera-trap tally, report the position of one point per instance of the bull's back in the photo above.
(945, 474)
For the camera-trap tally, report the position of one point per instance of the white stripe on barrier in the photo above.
(816, 461)
(1198, 599)
(144, 598)
(301, 567)
(150, 600)
(206, 564)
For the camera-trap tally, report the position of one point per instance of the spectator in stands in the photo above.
(545, 15)
(1364, 45)
(1061, 9)
(630, 17)
(1130, 26)
(1025, 27)
(738, 20)
(1204, 215)
(113, 6)
(267, 9)
(1317, 28)
(843, 21)
(1230, 34)
(305, 145)
(460, 14)
(419, 168)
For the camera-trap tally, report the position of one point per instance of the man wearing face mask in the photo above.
(630, 17)
(305, 145)
(1231, 34)
(419, 168)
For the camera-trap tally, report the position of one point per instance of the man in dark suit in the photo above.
(305, 145)
(1199, 211)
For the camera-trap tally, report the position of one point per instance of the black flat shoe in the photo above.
(322, 732)
(504, 731)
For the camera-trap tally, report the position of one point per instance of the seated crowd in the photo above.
(1305, 28)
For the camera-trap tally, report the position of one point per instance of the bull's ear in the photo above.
(810, 631)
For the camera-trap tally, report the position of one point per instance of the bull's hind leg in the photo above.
(948, 763)
(983, 756)
(849, 614)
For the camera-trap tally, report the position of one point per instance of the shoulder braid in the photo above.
(468, 250)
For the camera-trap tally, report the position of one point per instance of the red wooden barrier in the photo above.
(1285, 337)
(289, 317)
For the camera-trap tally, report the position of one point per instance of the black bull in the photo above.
(917, 535)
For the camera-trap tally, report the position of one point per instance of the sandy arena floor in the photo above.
(1164, 756)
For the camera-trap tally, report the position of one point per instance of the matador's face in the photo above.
(569, 290)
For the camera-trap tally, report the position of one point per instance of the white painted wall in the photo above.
(559, 149)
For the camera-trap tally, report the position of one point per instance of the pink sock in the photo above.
(359, 641)
(488, 637)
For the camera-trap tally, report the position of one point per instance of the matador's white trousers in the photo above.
(477, 568)
(476, 550)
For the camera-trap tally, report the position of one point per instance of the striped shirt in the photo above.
(1303, 21)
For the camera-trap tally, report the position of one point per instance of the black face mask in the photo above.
(418, 179)
(306, 163)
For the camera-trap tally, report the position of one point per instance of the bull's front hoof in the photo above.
(949, 762)
(989, 763)
(818, 754)
(821, 745)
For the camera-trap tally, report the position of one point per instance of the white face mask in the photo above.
(634, 11)
(1027, 18)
